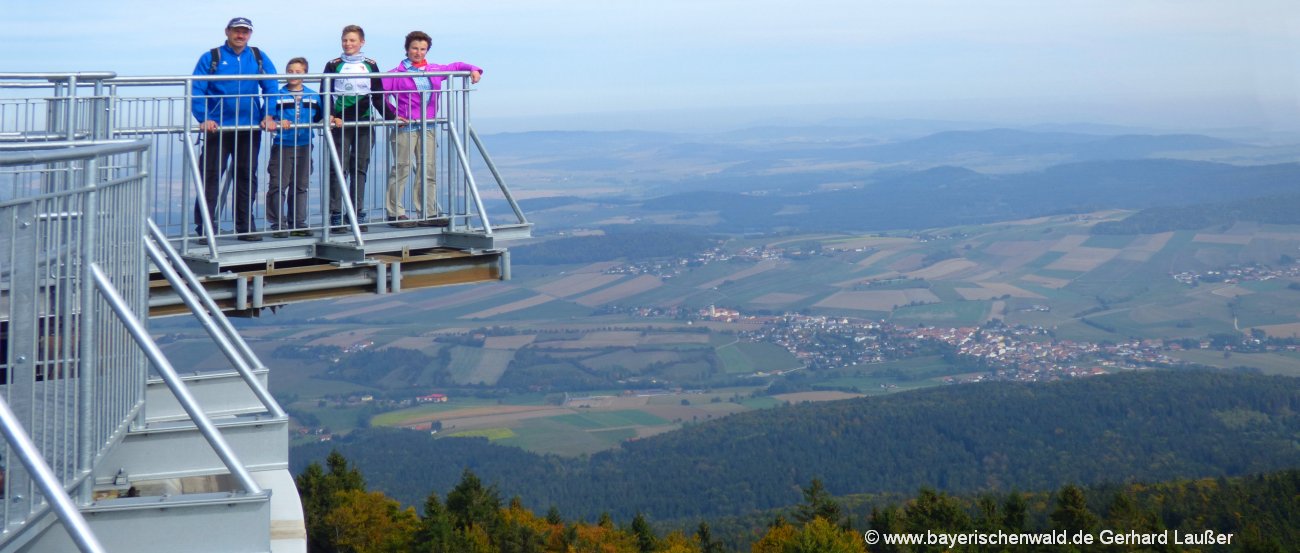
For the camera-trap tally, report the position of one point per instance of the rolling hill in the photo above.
(996, 436)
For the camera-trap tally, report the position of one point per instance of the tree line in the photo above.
(343, 516)
(1140, 426)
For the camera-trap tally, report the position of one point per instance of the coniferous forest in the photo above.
(980, 438)
(1257, 512)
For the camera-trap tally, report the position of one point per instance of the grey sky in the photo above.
(1175, 64)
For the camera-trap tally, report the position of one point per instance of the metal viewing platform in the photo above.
(107, 447)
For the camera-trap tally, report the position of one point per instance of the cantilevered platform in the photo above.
(246, 277)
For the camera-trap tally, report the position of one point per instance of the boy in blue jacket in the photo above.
(295, 107)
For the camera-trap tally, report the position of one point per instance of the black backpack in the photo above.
(216, 60)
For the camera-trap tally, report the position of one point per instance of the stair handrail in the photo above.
(210, 316)
(173, 380)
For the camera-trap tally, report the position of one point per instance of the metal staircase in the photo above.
(108, 447)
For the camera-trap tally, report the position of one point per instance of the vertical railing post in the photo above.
(69, 107)
(87, 366)
(23, 345)
(187, 175)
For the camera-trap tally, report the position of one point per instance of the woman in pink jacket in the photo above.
(415, 99)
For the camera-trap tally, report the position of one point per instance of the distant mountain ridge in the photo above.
(1076, 146)
(946, 196)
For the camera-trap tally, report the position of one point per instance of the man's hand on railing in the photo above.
(474, 76)
(268, 124)
(209, 126)
(336, 121)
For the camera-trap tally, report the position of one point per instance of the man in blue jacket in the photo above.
(229, 112)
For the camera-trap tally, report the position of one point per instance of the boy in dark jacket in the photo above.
(352, 99)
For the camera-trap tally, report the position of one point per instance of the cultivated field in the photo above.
(1083, 259)
(800, 397)
(943, 269)
(760, 267)
(510, 307)
(662, 338)
(596, 340)
(1069, 243)
(1237, 239)
(1288, 330)
(876, 257)
(638, 285)
(778, 298)
(369, 308)
(877, 300)
(988, 291)
(345, 338)
(575, 284)
(1046, 281)
(508, 342)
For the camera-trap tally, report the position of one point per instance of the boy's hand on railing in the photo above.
(286, 124)
(268, 124)
(335, 121)
(209, 126)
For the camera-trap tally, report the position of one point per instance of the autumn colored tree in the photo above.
(318, 490)
(678, 542)
(776, 538)
(521, 531)
(370, 522)
(603, 539)
(817, 536)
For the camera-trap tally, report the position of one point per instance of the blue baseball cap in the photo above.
(240, 22)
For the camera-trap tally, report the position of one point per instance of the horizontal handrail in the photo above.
(60, 76)
(21, 154)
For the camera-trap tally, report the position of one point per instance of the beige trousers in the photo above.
(408, 162)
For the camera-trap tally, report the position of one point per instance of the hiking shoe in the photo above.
(300, 233)
(401, 221)
(438, 222)
(280, 234)
(250, 238)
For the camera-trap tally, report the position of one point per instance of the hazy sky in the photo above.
(1170, 63)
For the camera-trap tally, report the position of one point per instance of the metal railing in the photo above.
(72, 375)
(159, 109)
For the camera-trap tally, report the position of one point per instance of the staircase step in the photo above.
(220, 394)
(177, 450)
(193, 523)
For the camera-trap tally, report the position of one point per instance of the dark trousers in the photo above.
(353, 147)
(241, 148)
(287, 187)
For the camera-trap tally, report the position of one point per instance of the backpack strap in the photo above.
(215, 54)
